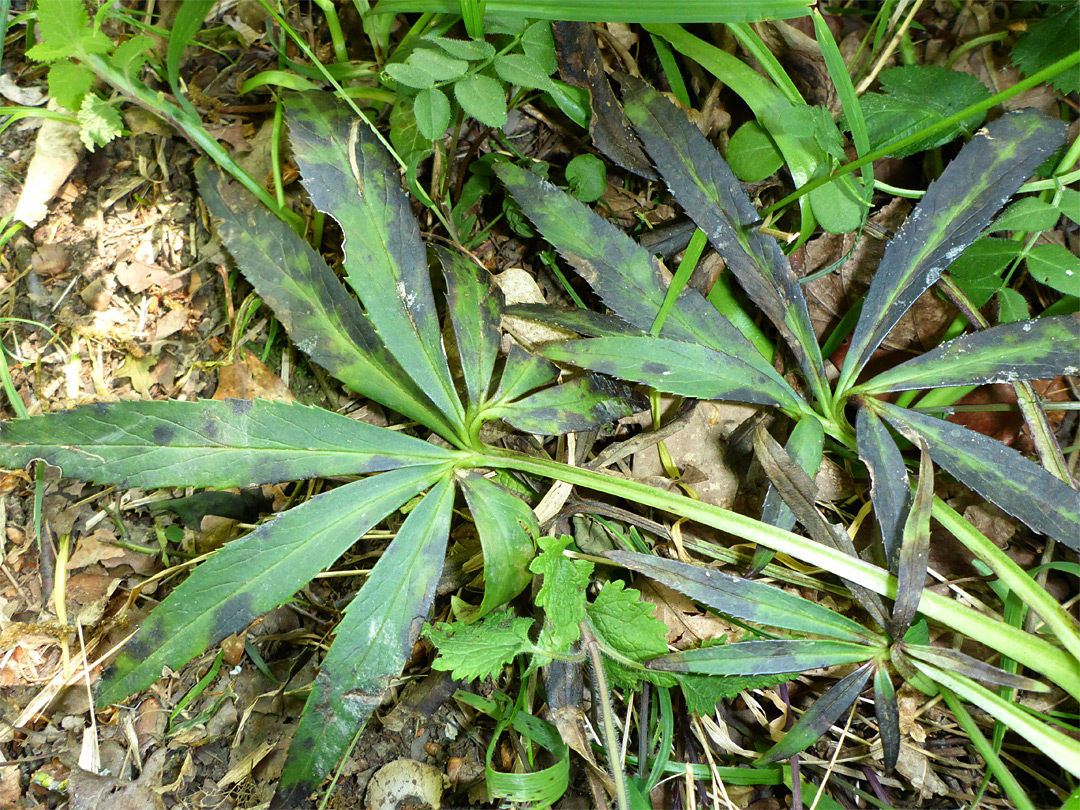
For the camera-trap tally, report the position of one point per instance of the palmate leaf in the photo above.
(256, 573)
(323, 320)
(955, 210)
(997, 472)
(236, 442)
(371, 646)
(349, 176)
(817, 719)
(763, 657)
(475, 305)
(508, 529)
(889, 487)
(1039, 349)
(625, 275)
(676, 367)
(743, 599)
(705, 186)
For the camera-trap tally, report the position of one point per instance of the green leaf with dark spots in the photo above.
(705, 186)
(958, 662)
(324, 321)
(508, 530)
(627, 277)
(819, 717)
(582, 321)
(582, 403)
(236, 442)
(1039, 349)
(743, 599)
(887, 712)
(475, 305)
(350, 176)
(997, 472)
(763, 657)
(676, 368)
(956, 209)
(805, 446)
(256, 573)
(372, 643)
(914, 549)
(889, 488)
(522, 373)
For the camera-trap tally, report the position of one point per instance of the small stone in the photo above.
(96, 295)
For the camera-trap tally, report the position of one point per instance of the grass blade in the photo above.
(743, 599)
(997, 472)
(628, 11)
(236, 442)
(956, 208)
(1040, 349)
(254, 574)
(324, 321)
(373, 641)
(889, 487)
(350, 176)
(763, 657)
(705, 186)
(676, 368)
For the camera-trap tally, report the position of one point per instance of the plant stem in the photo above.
(1035, 652)
(603, 695)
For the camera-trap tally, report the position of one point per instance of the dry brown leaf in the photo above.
(246, 377)
(138, 275)
(914, 766)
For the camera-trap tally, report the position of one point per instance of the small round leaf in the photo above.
(432, 111)
(483, 98)
(752, 154)
(587, 177)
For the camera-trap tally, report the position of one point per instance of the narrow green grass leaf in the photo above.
(763, 657)
(324, 321)
(819, 717)
(1054, 744)
(705, 186)
(914, 549)
(475, 305)
(956, 209)
(507, 529)
(373, 641)
(627, 277)
(582, 403)
(254, 574)
(189, 19)
(1039, 349)
(628, 11)
(236, 442)
(997, 472)
(676, 368)
(743, 599)
(889, 487)
(888, 716)
(349, 175)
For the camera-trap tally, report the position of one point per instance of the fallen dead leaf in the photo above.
(246, 377)
(138, 275)
(914, 766)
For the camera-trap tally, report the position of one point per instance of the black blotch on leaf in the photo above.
(653, 368)
(239, 407)
(164, 434)
(235, 614)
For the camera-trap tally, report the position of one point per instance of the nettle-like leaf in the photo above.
(707, 189)
(562, 594)
(956, 209)
(996, 471)
(208, 443)
(350, 176)
(373, 640)
(480, 650)
(256, 573)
